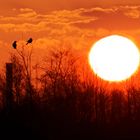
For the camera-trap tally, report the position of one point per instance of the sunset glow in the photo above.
(114, 58)
(70, 69)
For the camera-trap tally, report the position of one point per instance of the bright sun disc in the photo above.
(114, 58)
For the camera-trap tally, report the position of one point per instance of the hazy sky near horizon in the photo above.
(74, 23)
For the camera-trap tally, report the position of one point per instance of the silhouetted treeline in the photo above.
(62, 104)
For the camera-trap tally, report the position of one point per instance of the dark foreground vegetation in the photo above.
(64, 104)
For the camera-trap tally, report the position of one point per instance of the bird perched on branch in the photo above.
(29, 41)
(14, 45)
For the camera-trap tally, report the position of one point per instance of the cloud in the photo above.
(29, 20)
(120, 17)
(61, 24)
(26, 10)
(132, 11)
(97, 17)
(61, 17)
(27, 13)
(73, 25)
(77, 29)
(98, 11)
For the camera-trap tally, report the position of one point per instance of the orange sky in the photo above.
(75, 23)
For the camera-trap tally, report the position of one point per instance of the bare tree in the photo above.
(18, 78)
(24, 55)
(60, 71)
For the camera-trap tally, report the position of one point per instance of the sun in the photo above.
(114, 58)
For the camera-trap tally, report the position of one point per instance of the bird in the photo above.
(14, 45)
(29, 41)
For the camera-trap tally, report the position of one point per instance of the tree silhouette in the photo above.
(25, 56)
(69, 101)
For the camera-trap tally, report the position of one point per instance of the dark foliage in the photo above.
(64, 107)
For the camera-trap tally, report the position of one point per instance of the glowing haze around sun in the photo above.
(114, 58)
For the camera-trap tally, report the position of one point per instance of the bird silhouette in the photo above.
(14, 45)
(29, 41)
